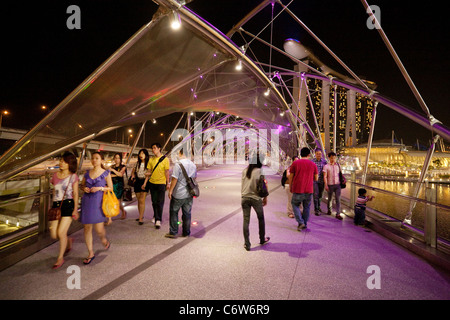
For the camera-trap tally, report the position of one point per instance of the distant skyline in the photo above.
(43, 61)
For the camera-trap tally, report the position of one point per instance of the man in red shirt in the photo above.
(301, 181)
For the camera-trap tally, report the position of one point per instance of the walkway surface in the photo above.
(332, 259)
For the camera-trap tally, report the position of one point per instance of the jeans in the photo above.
(318, 192)
(186, 206)
(336, 189)
(305, 200)
(360, 215)
(247, 204)
(157, 192)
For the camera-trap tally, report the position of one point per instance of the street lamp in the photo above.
(4, 112)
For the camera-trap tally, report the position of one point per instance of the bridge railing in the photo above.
(430, 220)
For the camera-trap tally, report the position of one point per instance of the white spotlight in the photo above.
(176, 21)
(239, 65)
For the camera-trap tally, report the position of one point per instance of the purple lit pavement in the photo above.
(329, 260)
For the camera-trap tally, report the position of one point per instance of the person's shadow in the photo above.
(296, 250)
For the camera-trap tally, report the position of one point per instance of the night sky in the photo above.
(42, 61)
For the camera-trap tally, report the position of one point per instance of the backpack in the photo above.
(261, 187)
(284, 178)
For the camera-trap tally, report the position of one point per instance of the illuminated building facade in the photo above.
(354, 114)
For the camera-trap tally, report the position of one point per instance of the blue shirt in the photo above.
(320, 164)
(181, 191)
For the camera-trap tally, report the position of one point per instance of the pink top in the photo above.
(303, 171)
(61, 185)
(332, 172)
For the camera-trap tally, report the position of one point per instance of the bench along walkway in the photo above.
(332, 259)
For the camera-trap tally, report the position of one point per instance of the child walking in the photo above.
(360, 206)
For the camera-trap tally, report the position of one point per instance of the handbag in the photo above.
(127, 194)
(55, 213)
(192, 183)
(342, 179)
(110, 204)
(261, 187)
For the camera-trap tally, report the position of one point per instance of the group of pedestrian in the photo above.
(322, 176)
(150, 175)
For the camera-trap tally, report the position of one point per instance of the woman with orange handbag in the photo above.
(95, 181)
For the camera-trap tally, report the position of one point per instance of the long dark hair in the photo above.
(255, 162)
(120, 156)
(147, 157)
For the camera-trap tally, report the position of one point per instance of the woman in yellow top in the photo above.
(157, 176)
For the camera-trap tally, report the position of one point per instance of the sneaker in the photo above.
(266, 239)
(153, 220)
(317, 213)
(301, 226)
(169, 235)
(338, 216)
(329, 212)
(158, 224)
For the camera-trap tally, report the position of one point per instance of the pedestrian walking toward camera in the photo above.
(139, 178)
(319, 185)
(117, 173)
(250, 199)
(158, 178)
(301, 180)
(332, 184)
(180, 197)
(65, 195)
(95, 181)
(360, 207)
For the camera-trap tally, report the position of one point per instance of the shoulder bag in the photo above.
(261, 187)
(55, 213)
(192, 184)
(342, 180)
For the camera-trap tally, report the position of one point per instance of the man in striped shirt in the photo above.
(319, 184)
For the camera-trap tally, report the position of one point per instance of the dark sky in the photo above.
(42, 61)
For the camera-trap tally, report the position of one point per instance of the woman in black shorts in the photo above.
(65, 183)
(138, 175)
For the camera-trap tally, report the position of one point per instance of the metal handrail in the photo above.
(29, 196)
(442, 206)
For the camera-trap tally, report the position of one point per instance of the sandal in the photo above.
(58, 265)
(266, 239)
(88, 260)
(108, 245)
(290, 215)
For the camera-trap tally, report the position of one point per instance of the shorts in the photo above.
(67, 207)
(138, 185)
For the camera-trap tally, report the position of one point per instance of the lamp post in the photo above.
(4, 112)
(130, 135)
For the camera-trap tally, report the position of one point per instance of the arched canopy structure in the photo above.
(158, 71)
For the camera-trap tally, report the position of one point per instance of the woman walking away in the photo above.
(95, 181)
(138, 174)
(65, 183)
(250, 199)
(117, 173)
